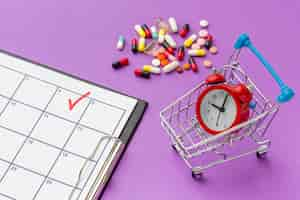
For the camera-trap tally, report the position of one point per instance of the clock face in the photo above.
(218, 110)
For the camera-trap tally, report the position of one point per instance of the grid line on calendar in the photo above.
(26, 138)
(8, 102)
(6, 196)
(61, 150)
(56, 160)
(63, 118)
(100, 156)
(83, 125)
(60, 87)
(34, 172)
(43, 142)
(11, 97)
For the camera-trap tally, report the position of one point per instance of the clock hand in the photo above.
(218, 118)
(223, 105)
(214, 105)
(221, 110)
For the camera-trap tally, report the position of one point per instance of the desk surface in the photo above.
(79, 37)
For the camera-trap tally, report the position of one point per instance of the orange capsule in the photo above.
(164, 62)
(161, 56)
(186, 66)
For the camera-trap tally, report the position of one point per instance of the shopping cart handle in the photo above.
(286, 92)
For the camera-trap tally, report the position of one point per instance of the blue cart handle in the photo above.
(286, 92)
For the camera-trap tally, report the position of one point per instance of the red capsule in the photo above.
(147, 31)
(167, 47)
(134, 45)
(170, 56)
(209, 37)
(170, 50)
(184, 31)
(180, 53)
(193, 64)
(124, 61)
(138, 72)
(141, 73)
(120, 63)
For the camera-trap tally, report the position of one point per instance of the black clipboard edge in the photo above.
(131, 125)
(126, 136)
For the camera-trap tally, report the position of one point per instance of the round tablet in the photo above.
(203, 23)
(213, 50)
(203, 33)
(207, 63)
(156, 62)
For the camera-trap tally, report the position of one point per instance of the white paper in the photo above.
(44, 144)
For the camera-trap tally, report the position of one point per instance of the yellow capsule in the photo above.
(197, 52)
(141, 44)
(147, 68)
(161, 35)
(140, 31)
(151, 69)
(188, 42)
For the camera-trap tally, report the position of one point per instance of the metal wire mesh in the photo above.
(192, 142)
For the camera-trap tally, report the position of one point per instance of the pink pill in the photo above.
(207, 63)
(201, 41)
(195, 46)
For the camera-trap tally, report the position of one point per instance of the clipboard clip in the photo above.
(116, 147)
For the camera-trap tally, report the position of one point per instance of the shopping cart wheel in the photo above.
(174, 148)
(197, 175)
(261, 155)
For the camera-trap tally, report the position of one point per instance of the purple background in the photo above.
(79, 37)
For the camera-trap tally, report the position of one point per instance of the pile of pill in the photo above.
(158, 42)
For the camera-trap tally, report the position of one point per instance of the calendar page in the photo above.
(51, 126)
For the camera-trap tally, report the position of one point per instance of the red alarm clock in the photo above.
(221, 106)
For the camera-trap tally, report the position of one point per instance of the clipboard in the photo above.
(48, 109)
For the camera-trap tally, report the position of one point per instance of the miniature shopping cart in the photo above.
(201, 150)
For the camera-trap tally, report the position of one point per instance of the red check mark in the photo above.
(73, 104)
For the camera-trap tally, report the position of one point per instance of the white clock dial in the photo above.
(218, 110)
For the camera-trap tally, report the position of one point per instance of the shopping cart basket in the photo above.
(201, 150)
